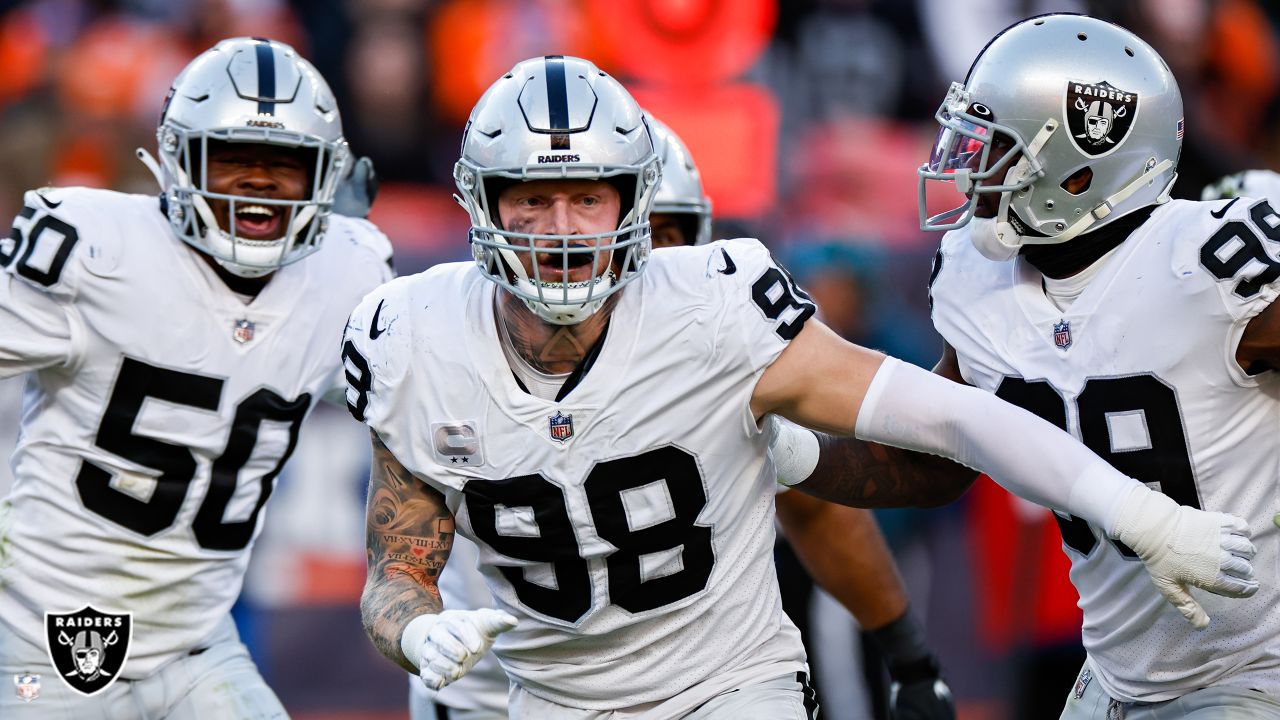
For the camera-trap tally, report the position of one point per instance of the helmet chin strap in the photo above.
(149, 160)
(998, 240)
(1106, 207)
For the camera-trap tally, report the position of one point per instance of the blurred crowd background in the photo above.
(807, 118)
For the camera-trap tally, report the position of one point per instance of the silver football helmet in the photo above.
(248, 90)
(681, 189)
(558, 118)
(1062, 93)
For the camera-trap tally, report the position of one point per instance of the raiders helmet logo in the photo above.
(88, 647)
(1099, 116)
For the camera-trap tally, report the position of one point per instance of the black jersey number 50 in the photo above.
(136, 382)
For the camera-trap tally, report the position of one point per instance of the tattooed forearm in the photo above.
(863, 474)
(409, 533)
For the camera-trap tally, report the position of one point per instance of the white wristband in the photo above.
(794, 450)
(413, 636)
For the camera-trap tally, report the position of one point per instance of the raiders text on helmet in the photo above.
(248, 90)
(1063, 93)
(558, 118)
(681, 188)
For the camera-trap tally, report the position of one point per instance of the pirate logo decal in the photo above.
(88, 647)
(1099, 116)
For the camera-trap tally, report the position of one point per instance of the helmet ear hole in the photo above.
(1079, 181)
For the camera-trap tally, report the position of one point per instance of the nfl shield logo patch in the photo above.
(1082, 682)
(28, 686)
(1062, 334)
(88, 647)
(561, 427)
(243, 331)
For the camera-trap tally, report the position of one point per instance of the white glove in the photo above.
(1184, 547)
(444, 647)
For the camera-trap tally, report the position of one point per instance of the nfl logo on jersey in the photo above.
(561, 427)
(28, 686)
(243, 331)
(1062, 334)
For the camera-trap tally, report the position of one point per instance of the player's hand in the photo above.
(1183, 547)
(923, 698)
(356, 190)
(456, 641)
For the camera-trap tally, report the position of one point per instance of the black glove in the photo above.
(918, 691)
(357, 190)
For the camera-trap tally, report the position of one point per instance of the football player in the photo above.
(1246, 184)
(175, 343)
(841, 546)
(1071, 285)
(590, 414)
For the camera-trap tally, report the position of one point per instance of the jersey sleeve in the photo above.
(374, 343)
(762, 306)
(370, 266)
(39, 259)
(1241, 252)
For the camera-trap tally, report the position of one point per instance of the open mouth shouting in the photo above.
(259, 222)
(551, 265)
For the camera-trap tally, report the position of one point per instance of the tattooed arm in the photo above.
(409, 533)
(870, 475)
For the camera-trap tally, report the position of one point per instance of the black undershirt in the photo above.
(1062, 260)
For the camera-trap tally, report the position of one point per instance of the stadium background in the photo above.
(807, 118)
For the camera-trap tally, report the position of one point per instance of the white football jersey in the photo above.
(161, 410)
(630, 525)
(1142, 369)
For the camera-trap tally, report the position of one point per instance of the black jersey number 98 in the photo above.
(667, 469)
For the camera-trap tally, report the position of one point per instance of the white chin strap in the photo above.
(997, 240)
(577, 309)
(994, 240)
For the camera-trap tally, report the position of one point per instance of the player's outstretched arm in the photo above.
(35, 331)
(408, 536)
(823, 382)
(865, 474)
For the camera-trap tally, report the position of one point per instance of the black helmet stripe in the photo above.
(266, 78)
(557, 102)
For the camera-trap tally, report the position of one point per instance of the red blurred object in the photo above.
(1025, 597)
(682, 42)
(856, 176)
(23, 54)
(473, 42)
(120, 69)
(732, 132)
(84, 161)
(421, 219)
